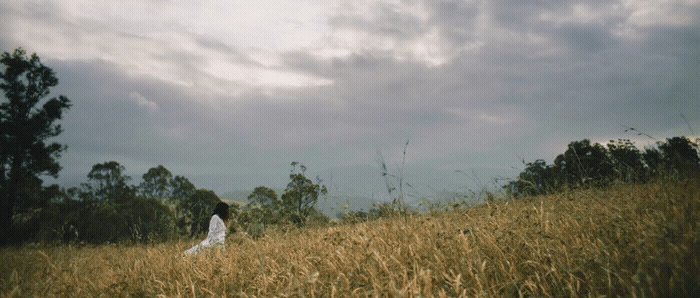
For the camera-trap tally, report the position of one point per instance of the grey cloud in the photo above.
(185, 135)
(586, 92)
(523, 15)
(483, 108)
(456, 20)
(390, 20)
(584, 39)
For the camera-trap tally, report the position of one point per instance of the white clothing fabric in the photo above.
(215, 237)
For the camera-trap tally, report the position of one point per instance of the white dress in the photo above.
(215, 237)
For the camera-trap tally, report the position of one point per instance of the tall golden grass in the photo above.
(628, 240)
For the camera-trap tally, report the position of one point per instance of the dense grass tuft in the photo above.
(625, 240)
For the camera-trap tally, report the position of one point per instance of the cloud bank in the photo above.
(228, 93)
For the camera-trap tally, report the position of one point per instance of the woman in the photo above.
(217, 229)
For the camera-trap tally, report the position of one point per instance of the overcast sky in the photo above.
(229, 93)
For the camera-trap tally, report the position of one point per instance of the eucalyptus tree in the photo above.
(27, 120)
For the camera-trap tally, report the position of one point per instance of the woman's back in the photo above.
(217, 229)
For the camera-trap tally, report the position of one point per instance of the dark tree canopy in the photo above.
(106, 182)
(583, 163)
(157, 183)
(27, 121)
(301, 195)
(263, 196)
(198, 208)
(182, 189)
(537, 178)
(627, 162)
(265, 207)
(680, 156)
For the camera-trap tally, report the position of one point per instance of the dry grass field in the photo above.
(627, 240)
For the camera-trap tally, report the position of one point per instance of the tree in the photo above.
(197, 210)
(652, 160)
(147, 219)
(537, 178)
(59, 219)
(25, 126)
(106, 208)
(584, 163)
(680, 156)
(182, 189)
(265, 207)
(626, 160)
(157, 183)
(107, 184)
(263, 196)
(301, 195)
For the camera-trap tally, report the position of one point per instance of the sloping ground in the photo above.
(626, 240)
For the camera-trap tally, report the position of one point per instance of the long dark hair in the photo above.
(223, 211)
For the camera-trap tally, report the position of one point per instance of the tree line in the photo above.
(586, 164)
(106, 208)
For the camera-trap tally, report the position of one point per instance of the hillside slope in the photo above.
(625, 240)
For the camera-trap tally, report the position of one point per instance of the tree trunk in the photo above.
(6, 207)
(9, 197)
